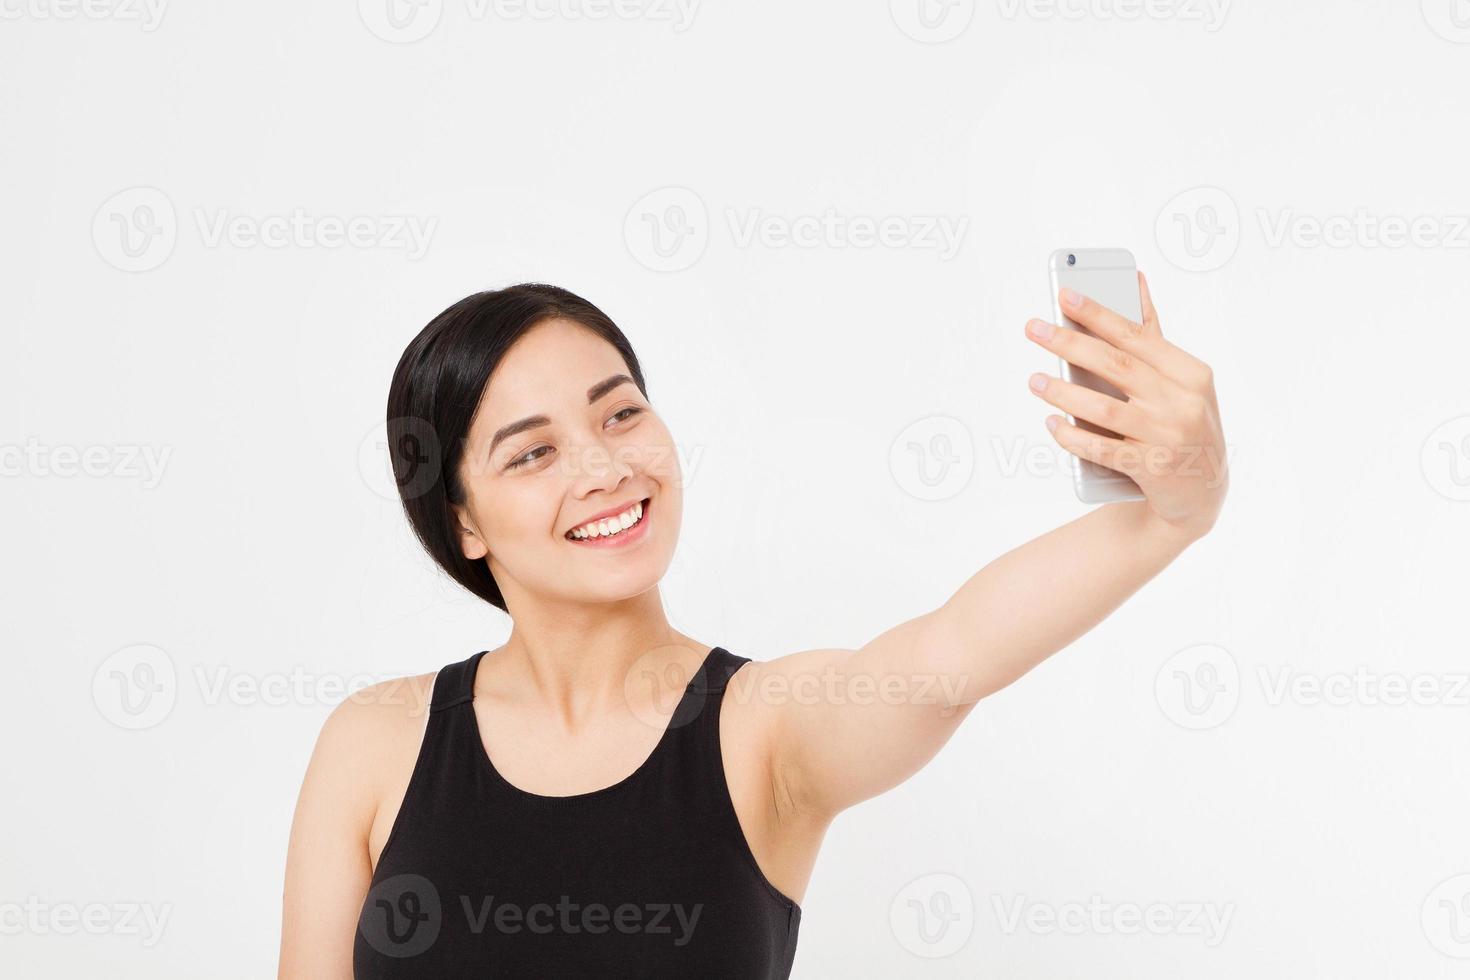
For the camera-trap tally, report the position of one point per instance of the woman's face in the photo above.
(563, 435)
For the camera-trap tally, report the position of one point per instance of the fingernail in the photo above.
(1051, 423)
(1070, 296)
(1038, 381)
(1040, 329)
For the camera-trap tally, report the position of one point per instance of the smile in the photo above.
(624, 527)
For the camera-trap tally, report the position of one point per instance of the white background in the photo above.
(816, 392)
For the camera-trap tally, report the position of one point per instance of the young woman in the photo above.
(603, 795)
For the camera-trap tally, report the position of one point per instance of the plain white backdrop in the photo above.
(823, 227)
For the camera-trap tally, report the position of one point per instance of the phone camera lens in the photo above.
(1071, 260)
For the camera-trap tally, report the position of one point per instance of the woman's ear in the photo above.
(470, 542)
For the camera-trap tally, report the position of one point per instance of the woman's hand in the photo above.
(1173, 446)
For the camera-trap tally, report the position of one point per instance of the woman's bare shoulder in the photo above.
(385, 709)
(365, 741)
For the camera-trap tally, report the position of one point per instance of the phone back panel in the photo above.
(1109, 276)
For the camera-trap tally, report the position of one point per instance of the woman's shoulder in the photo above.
(367, 738)
(385, 707)
(385, 711)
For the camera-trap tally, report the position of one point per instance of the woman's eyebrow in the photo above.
(533, 421)
(604, 386)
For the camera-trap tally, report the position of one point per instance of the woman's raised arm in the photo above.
(850, 724)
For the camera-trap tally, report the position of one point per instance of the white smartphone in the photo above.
(1109, 276)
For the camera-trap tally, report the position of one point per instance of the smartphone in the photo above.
(1109, 276)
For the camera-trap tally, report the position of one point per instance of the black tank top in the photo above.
(649, 877)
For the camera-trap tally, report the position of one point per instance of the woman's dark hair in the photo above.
(436, 390)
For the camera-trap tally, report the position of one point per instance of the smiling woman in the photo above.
(580, 771)
(584, 800)
(445, 418)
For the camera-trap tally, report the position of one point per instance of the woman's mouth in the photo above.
(611, 532)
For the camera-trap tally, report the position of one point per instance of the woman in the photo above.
(585, 800)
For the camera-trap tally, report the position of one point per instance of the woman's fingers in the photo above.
(1120, 367)
(1096, 407)
(1144, 341)
(1150, 315)
(1106, 451)
(1132, 338)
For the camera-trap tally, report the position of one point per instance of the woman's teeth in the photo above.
(610, 526)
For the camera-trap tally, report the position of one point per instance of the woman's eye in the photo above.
(532, 456)
(528, 458)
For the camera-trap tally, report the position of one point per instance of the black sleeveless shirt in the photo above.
(649, 877)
